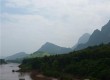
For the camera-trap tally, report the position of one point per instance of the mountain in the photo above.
(38, 54)
(83, 39)
(97, 37)
(92, 63)
(16, 56)
(54, 49)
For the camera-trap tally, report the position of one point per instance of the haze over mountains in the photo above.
(97, 37)
(83, 39)
(46, 50)
(16, 56)
(86, 40)
(54, 49)
(49, 49)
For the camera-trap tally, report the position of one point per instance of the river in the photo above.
(7, 74)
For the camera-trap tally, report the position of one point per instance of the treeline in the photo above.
(2, 61)
(92, 62)
(14, 61)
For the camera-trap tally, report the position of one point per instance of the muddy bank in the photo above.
(39, 76)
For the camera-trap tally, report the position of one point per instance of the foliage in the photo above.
(38, 54)
(2, 61)
(91, 62)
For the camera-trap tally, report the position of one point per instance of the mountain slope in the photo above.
(97, 37)
(52, 48)
(83, 39)
(38, 54)
(19, 55)
(92, 63)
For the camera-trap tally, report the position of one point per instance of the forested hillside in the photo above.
(92, 62)
(97, 37)
(54, 49)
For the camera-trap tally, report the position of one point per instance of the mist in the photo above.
(27, 25)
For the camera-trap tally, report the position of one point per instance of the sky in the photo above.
(25, 25)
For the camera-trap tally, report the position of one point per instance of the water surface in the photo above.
(7, 74)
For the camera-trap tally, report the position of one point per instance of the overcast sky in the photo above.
(27, 24)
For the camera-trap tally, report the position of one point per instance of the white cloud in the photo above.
(59, 21)
(56, 9)
(17, 3)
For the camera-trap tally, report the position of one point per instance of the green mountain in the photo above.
(38, 54)
(16, 56)
(54, 49)
(97, 37)
(92, 62)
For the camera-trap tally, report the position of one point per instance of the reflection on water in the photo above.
(7, 74)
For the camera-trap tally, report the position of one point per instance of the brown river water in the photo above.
(7, 74)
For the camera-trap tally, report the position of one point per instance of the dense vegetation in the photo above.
(38, 54)
(2, 61)
(92, 62)
(15, 61)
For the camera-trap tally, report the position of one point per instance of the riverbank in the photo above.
(39, 76)
(36, 75)
(92, 63)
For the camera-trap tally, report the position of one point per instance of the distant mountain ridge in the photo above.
(86, 40)
(54, 49)
(97, 37)
(19, 55)
(82, 40)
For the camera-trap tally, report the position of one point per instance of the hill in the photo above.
(16, 56)
(92, 62)
(97, 37)
(54, 49)
(38, 54)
